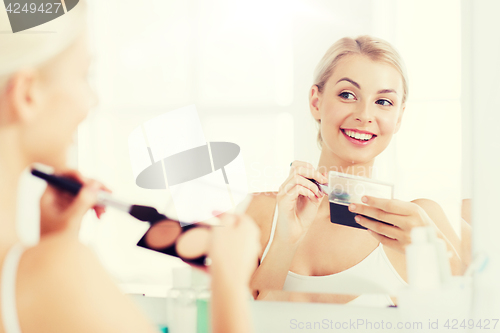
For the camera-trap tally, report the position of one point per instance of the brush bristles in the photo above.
(145, 213)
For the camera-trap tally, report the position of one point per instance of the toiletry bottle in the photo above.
(181, 302)
(422, 260)
(201, 284)
(442, 256)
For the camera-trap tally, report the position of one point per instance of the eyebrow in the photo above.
(354, 83)
(387, 91)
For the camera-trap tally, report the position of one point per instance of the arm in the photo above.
(234, 249)
(298, 200)
(402, 217)
(229, 305)
(444, 231)
(272, 272)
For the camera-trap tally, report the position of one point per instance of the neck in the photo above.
(328, 161)
(11, 167)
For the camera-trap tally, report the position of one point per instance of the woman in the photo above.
(59, 284)
(358, 99)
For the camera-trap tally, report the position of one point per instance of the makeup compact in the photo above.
(345, 189)
(189, 243)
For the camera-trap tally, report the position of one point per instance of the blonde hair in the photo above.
(35, 46)
(375, 48)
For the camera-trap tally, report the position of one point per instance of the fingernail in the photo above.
(216, 212)
(357, 218)
(364, 199)
(352, 207)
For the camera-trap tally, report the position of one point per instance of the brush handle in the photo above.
(322, 187)
(62, 183)
(105, 199)
(73, 187)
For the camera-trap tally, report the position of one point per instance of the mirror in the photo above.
(421, 161)
(250, 83)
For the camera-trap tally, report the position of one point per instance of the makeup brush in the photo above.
(322, 187)
(143, 213)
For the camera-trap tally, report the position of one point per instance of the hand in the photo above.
(403, 216)
(298, 201)
(234, 248)
(63, 212)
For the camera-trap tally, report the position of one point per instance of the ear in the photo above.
(22, 96)
(314, 102)
(400, 117)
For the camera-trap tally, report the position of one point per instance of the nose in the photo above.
(364, 113)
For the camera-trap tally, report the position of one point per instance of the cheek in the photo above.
(74, 104)
(387, 124)
(334, 115)
(69, 108)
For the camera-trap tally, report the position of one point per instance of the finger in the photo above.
(105, 188)
(378, 214)
(311, 173)
(73, 174)
(310, 185)
(293, 191)
(384, 240)
(380, 228)
(299, 180)
(53, 195)
(99, 210)
(86, 199)
(76, 175)
(296, 164)
(394, 206)
(228, 219)
(306, 193)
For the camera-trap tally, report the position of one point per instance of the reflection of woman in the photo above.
(358, 99)
(59, 285)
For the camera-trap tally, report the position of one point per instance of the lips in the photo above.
(357, 137)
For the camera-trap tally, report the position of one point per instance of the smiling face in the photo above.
(359, 108)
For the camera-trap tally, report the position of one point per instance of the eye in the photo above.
(383, 102)
(345, 95)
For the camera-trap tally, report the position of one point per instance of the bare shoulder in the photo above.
(262, 206)
(438, 216)
(434, 210)
(430, 206)
(261, 209)
(62, 287)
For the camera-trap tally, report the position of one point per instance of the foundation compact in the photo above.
(189, 243)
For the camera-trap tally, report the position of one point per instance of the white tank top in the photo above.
(8, 303)
(374, 278)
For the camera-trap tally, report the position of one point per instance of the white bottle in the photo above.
(443, 260)
(181, 302)
(422, 260)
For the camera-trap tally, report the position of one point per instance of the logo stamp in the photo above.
(27, 14)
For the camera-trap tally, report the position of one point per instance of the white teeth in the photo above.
(359, 136)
